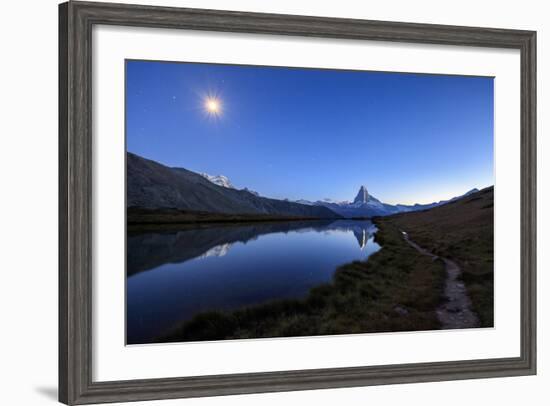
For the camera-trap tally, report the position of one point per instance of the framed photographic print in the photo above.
(256, 202)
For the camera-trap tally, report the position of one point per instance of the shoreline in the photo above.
(176, 216)
(363, 297)
(144, 220)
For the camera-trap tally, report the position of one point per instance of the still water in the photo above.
(172, 276)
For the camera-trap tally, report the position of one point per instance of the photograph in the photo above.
(277, 202)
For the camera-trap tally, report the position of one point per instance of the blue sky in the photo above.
(315, 134)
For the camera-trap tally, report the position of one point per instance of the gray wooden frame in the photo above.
(76, 20)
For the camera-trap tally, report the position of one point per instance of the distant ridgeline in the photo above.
(153, 186)
(366, 205)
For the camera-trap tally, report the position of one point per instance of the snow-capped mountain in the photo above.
(366, 205)
(219, 180)
(224, 181)
(362, 196)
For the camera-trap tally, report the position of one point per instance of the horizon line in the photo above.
(315, 200)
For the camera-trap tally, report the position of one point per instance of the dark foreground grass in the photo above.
(397, 289)
(141, 220)
(461, 231)
(144, 216)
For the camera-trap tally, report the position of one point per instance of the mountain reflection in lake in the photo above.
(172, 276)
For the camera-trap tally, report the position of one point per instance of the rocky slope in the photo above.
(152, 185)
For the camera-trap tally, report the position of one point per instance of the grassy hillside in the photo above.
(461, 231)
(156, 186)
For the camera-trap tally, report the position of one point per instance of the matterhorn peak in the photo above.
(362, 196)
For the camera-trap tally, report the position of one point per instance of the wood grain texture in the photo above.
(63, 245)
(76, 20)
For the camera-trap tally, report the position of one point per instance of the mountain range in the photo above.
(366, 205)
(152, 185)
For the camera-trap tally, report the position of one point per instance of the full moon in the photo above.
(213, 106)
